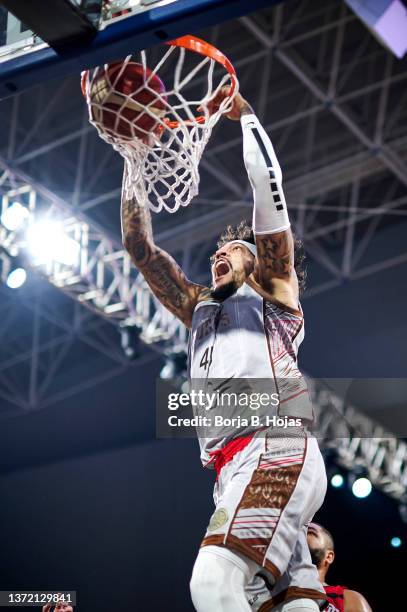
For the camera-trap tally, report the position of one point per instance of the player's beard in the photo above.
(224, 291)
(317, 555)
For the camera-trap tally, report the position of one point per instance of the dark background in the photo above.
(122, 528)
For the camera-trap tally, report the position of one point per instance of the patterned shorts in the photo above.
(265, 496)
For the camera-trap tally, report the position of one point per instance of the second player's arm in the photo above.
(162, 273)
(355, 602)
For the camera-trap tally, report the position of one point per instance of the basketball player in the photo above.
(247, 326)
(262, 596)
(341, 599)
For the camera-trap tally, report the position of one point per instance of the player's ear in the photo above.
(330, 556)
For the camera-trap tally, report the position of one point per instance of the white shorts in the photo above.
(265, 496)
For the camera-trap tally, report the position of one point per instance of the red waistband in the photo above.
(222, 456)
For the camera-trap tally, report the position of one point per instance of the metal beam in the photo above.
(317, 182)
(357, 439)
(50, 146)
(297, 67)
(359, 216)
(373, 225)
(81, 160)
(220, 174)
(336, 57)
(350, 229)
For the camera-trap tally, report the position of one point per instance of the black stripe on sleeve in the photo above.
(269, 164)
(262, 147)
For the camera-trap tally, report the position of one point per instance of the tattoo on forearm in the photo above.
(135, 232)
(275, 255)
(165, 282)
(163, 275)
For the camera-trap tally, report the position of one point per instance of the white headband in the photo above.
(248, 245)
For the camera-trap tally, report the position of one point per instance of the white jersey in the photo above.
(246, 337)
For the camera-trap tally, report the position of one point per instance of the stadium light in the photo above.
(337, 481)
(16, 278)
(14, 216)
(46, 240)
(361, 488)
(395, 542)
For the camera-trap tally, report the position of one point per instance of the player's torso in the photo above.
(229, 338)
(244, 337)
(247, 345)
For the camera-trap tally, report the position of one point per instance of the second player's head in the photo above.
(321, 546)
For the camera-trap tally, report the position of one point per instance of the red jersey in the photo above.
(335, 598)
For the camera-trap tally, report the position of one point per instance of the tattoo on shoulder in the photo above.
(274, 254)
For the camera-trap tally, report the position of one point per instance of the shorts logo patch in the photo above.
(218, 519)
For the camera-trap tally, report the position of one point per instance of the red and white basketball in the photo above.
(118, 96)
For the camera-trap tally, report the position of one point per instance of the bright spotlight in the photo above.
(46, 240)
(362, 487)
(337, 481)
(14, 216)
(16, 278)
(395, 542)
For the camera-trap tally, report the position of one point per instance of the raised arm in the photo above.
(163, 275)
(271, 225)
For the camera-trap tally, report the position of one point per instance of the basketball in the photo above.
(118, 98)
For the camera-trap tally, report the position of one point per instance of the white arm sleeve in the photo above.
(270, 211)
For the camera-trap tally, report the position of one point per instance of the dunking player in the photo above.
(248, 325)
(341, 599)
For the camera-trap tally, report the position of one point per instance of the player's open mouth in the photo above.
(222, 267)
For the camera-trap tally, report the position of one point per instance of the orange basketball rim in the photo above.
(197, 45)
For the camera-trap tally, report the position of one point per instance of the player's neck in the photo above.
(322, 575)
(224, 291)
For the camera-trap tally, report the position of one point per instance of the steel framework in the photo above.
(359, 443)
(334, 102)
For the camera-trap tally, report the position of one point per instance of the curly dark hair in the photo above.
(244, 231)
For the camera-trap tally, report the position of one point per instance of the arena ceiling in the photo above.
(334, 102)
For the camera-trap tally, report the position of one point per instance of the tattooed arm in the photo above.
(275, 271)
(163, 275)
(274, 274)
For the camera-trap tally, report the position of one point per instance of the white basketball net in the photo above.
(165, 170)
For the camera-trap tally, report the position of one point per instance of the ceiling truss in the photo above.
(352, 138)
